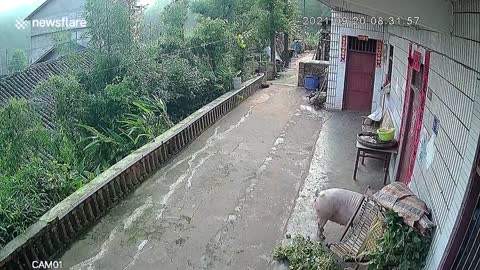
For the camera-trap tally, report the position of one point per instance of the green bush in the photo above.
(35, 188)
(21, 135)
(70, 101)
(305, 254)
(103, 147)
(35, 168)
(401, 247)
(183, 84)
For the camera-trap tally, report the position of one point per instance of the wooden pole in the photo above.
(7, 71)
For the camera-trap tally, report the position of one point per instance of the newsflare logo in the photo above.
(20, 24)
(64, 22)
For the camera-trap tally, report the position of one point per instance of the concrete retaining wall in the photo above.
(60, 226)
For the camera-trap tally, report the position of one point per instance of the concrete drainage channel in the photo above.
(61, 225)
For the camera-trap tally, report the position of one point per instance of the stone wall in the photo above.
(311, 67)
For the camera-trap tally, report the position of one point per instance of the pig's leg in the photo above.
(320, 229)
(322, 216)
(321, 221)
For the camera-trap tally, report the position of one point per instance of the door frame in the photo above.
(407, 110)
(349, 51)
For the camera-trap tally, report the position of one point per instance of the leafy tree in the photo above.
(216, 9)
(18, 62)
(280, 18)
(210, 39)
(183, 84)
(113, 31)
(111, 25)
(152, 21)
(69, 99)
(173, 20)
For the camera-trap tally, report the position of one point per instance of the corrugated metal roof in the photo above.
(22, 84)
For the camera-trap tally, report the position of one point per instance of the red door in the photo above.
(412, 116)
(359, 79)
(409, 134)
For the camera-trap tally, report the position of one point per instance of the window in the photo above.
(390, 64)
(365, 45)
(417, 78)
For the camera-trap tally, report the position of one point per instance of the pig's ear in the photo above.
(320, 193)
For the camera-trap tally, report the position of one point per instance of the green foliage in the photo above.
(121, 103)
(112, 31)
(173, 19)
(214, 33)
(35, 169)
(111, 26)
(216, 9)
(30, 192)
(183, 84)
(10, 36)
(152, 21)
(311, 39)
(151, 121)
(69, 99)
(313, 8)
(103, 147)
(21, 135)
(401, 247)
(108, 105)
(280, 17)
(303, 253)
(18, 62)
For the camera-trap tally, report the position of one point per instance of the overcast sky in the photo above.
(6, 5)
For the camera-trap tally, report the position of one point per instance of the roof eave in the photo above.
(36, 10)
(435, 15)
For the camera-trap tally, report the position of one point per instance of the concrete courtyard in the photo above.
(233, 194)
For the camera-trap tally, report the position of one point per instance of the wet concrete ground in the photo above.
(232, 195)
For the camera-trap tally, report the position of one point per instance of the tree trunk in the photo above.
(285, 49)
(272, 39)
(272, 53)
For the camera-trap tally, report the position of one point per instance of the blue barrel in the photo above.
(311, 82)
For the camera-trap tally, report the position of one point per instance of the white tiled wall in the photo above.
(454, 81)
(343, 24)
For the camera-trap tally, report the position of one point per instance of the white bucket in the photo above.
(237, 83)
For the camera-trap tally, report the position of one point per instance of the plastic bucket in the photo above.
(385, 134)
(311, 82)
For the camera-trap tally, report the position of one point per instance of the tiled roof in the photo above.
(22, 84)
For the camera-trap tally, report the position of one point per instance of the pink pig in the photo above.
(337, 205)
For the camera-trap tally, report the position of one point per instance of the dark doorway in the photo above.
(359, 75)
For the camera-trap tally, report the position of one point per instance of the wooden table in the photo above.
(375, 153)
